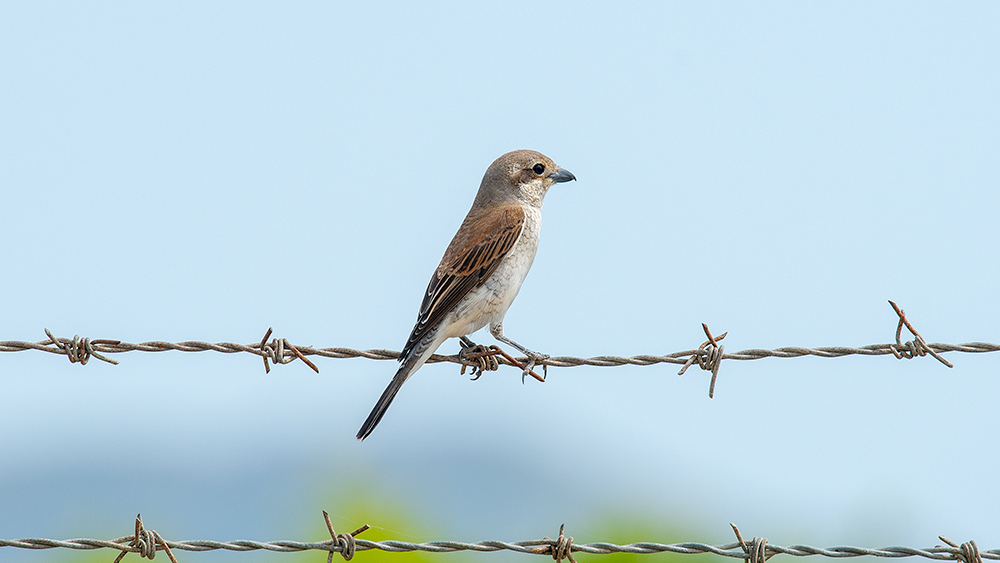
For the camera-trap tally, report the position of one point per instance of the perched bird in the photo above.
(483, 268)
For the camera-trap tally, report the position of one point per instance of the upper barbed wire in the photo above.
(116, 346)
(708, 356)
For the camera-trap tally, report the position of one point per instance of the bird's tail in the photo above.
(411, 363)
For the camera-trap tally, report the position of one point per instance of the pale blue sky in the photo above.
(190, 172)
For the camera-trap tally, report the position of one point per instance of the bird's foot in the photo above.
(535, 358)
(477, 356)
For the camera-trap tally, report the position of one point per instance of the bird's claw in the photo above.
(533, 359)
(480, 358)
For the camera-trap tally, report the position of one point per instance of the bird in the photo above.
(483, 268)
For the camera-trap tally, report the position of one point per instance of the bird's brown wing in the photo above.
(475, 252)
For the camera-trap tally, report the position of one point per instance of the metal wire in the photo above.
(734, 550)
(117, 346)
(708, 356)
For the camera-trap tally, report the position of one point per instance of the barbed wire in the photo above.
(758, 550)
(708, 356)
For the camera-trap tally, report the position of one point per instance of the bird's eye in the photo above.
(538, 168)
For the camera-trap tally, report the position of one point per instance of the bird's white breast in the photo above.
(489, 302)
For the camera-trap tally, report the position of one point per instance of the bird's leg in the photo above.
(480, 356)
(533, 357)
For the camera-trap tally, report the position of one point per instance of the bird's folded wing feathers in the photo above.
(475, 252)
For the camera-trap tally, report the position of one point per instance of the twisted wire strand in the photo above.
(709, 355)
(116, 347)
(734, 550)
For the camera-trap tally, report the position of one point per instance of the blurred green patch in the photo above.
(363, 504)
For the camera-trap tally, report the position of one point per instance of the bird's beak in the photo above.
(562, 175)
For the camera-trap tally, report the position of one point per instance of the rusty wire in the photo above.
(756, 551)
(345, 543)
(145, 543)
(708, 356)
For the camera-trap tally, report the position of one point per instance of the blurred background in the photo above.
(185, 171)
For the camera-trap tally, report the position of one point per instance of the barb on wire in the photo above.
(756, 551)
(144, 542)
(709, 355)
(343, 543)
(915, 347)
(276, 352)
(78, 350)
(559, 548)
(969, 551)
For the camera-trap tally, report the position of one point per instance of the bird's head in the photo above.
(523, 176)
